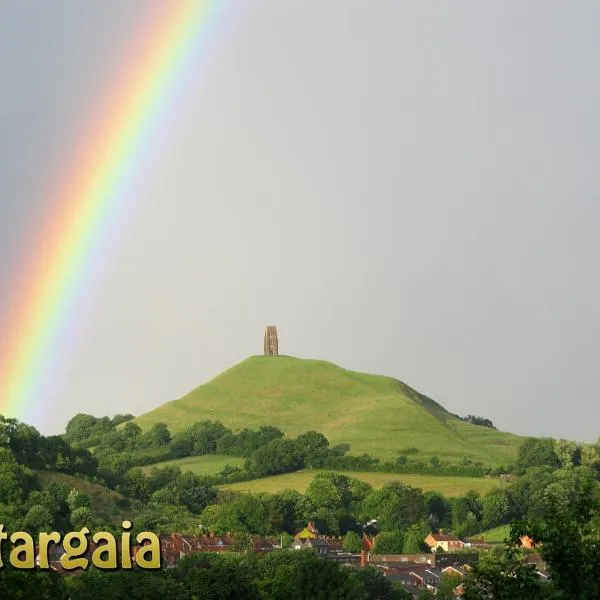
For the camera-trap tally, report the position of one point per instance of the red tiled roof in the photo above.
(442, 537)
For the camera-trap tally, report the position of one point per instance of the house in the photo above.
(55, 552)
(336, 544)
(460, 570)
(540, 565)
(480, 543)
(428, 578)
(263, 544)
(310, 531)
(318, 545)
(448, 543)
(417, 577)
(176, 546)
(527, 542)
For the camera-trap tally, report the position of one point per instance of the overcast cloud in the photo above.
(403, 188)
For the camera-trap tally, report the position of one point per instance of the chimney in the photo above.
(441, 532)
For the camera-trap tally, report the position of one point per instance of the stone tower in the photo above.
(271, 342)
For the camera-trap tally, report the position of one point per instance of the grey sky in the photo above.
(404, 188)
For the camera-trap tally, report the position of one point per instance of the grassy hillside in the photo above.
(498, 534)
(376, 415)
(449, 486)
(106, 504)
(208, 464)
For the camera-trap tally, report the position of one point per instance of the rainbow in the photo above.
(94, 194)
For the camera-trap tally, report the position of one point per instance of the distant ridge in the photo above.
(377, 415)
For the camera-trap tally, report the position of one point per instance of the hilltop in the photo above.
(377, 415)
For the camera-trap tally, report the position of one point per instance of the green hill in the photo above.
(107, 505)
(376, 415)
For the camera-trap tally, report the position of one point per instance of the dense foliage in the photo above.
(562, 517)
(277, 576)
(267, 450)
(555, 501)
(475, 420)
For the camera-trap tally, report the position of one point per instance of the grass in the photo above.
(106, 505)
(449, 486)
(209, 464)
(498, 534)
(376, 415)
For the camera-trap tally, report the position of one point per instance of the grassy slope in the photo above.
(377, 415)
(449, 486)
(208, 464)
(107, 505)
(498, 534)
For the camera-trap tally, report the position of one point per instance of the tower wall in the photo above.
(271, 345)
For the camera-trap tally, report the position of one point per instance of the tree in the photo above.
(527, 491)
(38, 518)
(438, 509)
(80, 427)
(537, 452)
(252, 513)
(118, 419)
(187, 489)
(241, 542)
(448, 583)
(204, 436)
(287, 510)
(299, 575)
(22, 585)
(568, 453)
(466, 513)
(221, 518)
(502, 576)
(352, 542)
(389, 542)
(335, 491)
(80, 517)
(158, 435)
(15, 480)
(313, 447)
(496, 508)
(131, 434)
(77, 499)
(278, 456)
(377, 587)
(226, 579)
(93, 584)
(137, 485)
(414, 538)
(479, 421)
(435, 462)
(566, 530)
(590, 456)
(396, 506)
(181, 445)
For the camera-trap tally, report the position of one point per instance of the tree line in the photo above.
(276, 576)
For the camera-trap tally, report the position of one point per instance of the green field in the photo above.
(449, 486)
(498, 534)
(376, 415)
(106, 505)
(209, 464)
